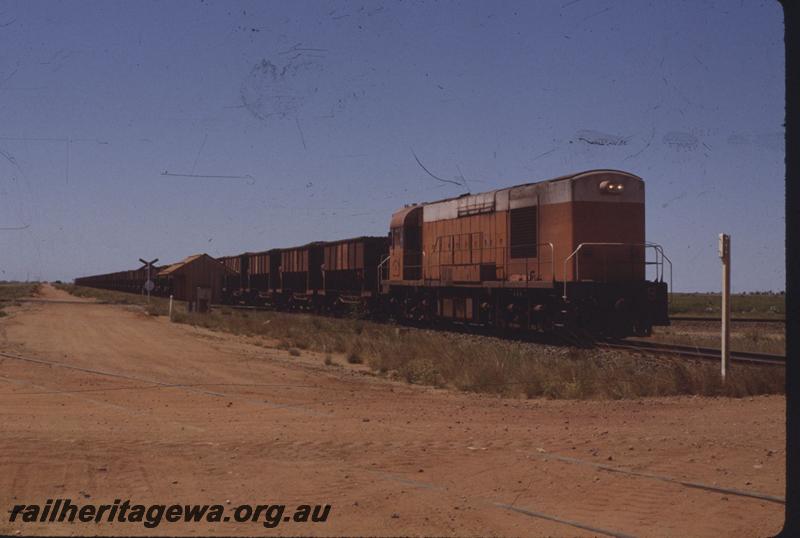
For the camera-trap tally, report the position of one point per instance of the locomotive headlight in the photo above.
(611, 187)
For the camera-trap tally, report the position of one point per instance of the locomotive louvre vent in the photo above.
(469, 205)
(523, 232)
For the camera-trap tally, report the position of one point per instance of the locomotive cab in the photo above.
(405, 247)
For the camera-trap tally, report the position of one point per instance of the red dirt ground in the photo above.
(206, 417)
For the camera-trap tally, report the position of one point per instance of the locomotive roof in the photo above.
(186, 262)
(567, 177)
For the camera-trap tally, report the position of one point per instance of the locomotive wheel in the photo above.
(643, 329)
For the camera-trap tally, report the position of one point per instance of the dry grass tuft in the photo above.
(11, 291)
(758, 338)
(158, 305)
(354, 358)
(760, 305)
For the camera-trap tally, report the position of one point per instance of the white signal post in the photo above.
(725, 256)
(149, 285)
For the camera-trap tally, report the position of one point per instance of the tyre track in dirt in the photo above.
(328, 447)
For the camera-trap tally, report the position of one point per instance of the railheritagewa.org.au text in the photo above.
(153, 515)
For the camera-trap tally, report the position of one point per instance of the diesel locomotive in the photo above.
(566, 252)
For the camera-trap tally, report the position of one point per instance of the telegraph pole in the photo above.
(725, 256)
(149, 285)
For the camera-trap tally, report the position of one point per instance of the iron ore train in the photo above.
(569, 252)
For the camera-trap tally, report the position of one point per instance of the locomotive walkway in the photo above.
(101, 402)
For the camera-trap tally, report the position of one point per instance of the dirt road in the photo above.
(138, 408)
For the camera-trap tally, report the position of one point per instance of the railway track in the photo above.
(694, 352)
(672, 318)
(733, 320)
(677, 350)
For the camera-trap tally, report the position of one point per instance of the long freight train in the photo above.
(569, 252)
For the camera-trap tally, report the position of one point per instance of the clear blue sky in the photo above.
(318, 108)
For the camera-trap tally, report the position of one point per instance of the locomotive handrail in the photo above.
(656, 248)
(552, 260)
(380, 267)
(660, 249)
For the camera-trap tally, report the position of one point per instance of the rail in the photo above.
(694, 352)
(660, 260)
(733, 320)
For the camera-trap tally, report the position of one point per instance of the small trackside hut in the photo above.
(197, 280)
(567, 252)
